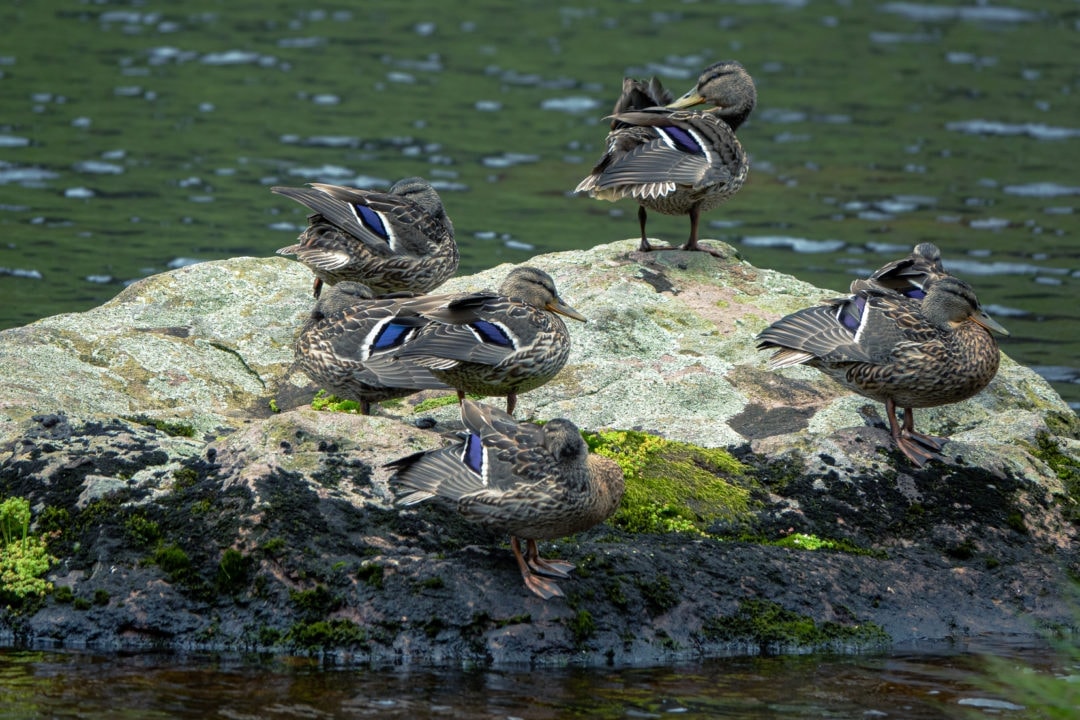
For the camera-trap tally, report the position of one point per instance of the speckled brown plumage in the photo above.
(502, 343)
(672, 160)
(533, 482)
(911, 275)
(347, 345)
(395, 241)
(902, 351)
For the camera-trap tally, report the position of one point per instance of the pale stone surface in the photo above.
(669, 348)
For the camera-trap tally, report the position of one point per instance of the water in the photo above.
(913, 686)
(148, 137)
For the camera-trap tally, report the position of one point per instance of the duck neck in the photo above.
(735, 116)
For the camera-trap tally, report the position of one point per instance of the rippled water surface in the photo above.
(910, 686)
(139, 136)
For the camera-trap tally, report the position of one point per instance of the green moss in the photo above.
(53, 519)
(801, 541)
(372, 574)
(964, 551)
(432, 583)
(64, 594)
(268, 636)
(582, 626)
(273, 547)
(174, 562)
(433, 403)
(1065, 467)
(617, 595)
(658, 594)
(101, 596)
(316, 602)
(438, 402)
(184, 478)
(671, 486)
(274, 406)
(169, 428)
(775, 629)
(24, 558)
(1066, 424)
(1015, 520)
(142, 531)
(82, 603)
(233, 572)
(324, 634)
(522, 619)
(331, 403)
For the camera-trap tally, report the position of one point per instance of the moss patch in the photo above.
(672, 486)
(326, 634)
(331, 403)
(169, 428)
(1067, 470)
(775, 629)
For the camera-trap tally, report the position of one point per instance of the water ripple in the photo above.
(1042, 189)
(799, 245)
(13, 141)
(14, 174)
(974, 267)
(237, 57)
(573, 104)
(1039, 131)
(938, 13)
(21, 273)
(97, 167)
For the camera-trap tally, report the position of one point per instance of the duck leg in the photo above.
(551, 568)
(542, 587)
(915, 451)
(511, 403)
(643, 216)
(317, 288)
(930, 442)
(692, 241)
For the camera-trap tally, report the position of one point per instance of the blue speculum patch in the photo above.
(473, 455)
(390, 336)
(371, 220)
(683, 140)
(492, 333)
(851, 313)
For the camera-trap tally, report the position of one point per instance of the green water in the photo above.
(863, 142)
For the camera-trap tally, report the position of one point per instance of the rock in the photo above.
(770, 512)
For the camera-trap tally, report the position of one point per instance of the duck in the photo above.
(533, 482)
(910, 276)
(496, 343)
(347, 345)
(904, 352)
(396, 241)
(671, 159)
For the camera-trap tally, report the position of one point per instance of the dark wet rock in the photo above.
(186, 513)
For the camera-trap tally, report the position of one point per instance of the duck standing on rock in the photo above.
(903, 351)
(395, 241)
(672, 160)
(502, 343)
(347, 345)
(531, 481)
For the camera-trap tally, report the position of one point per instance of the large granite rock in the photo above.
(195, 498)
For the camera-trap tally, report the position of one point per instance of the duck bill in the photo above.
(558, 306)
(989, 323)
(690, 99)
